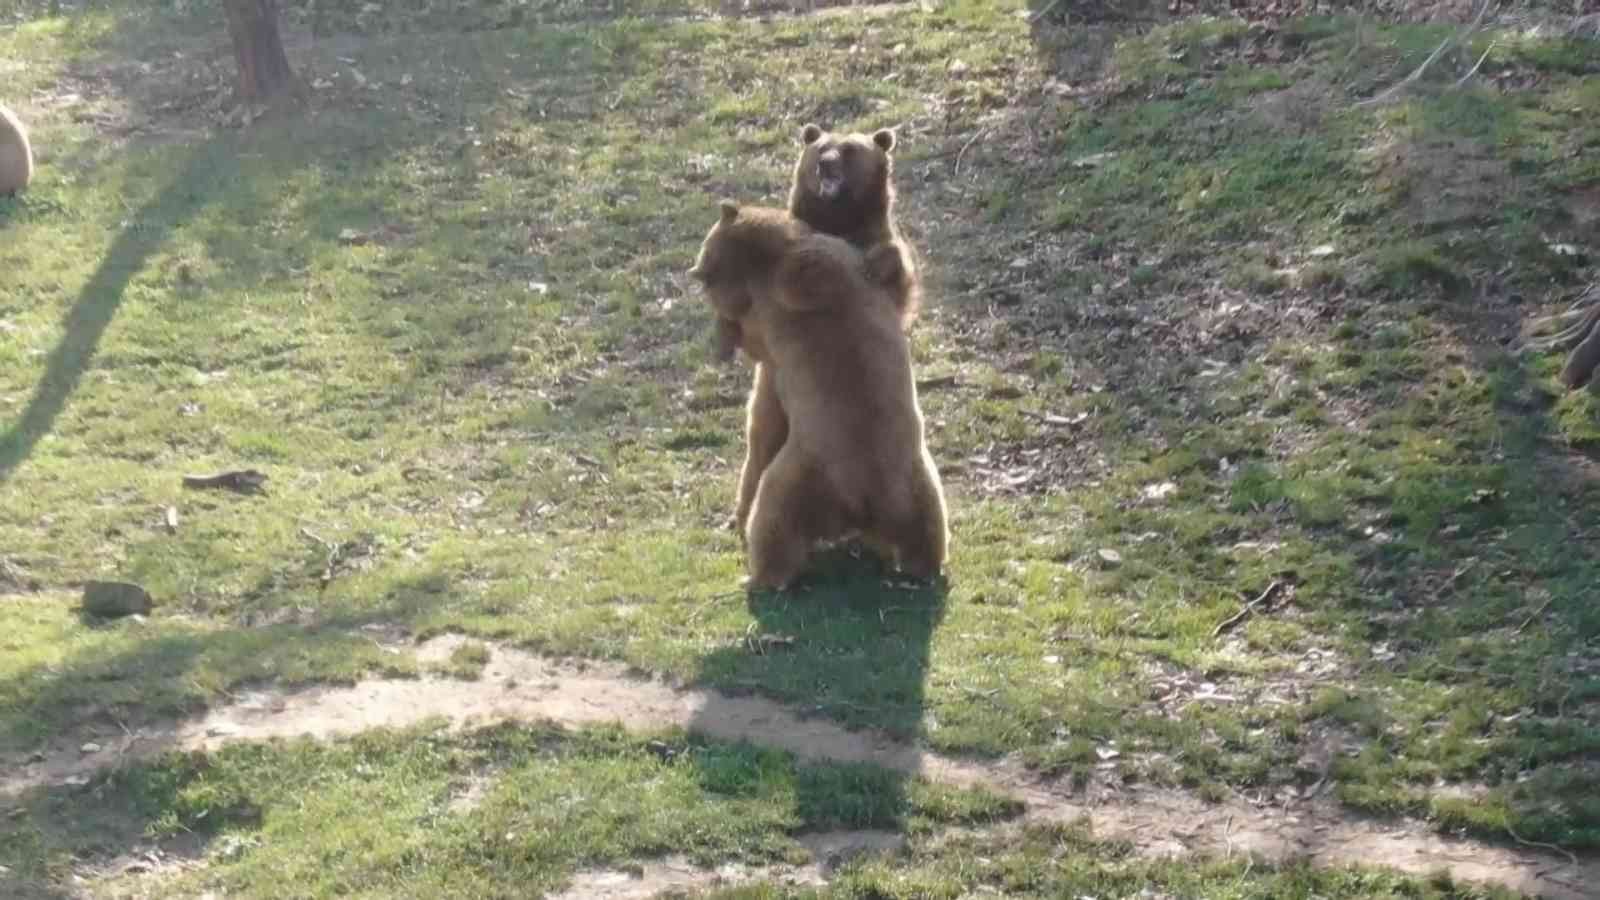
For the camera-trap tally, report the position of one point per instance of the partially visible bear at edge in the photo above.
(806, 304)
(843, 185)
(16, 156)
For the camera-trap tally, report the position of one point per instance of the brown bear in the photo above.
(842, 185)
(807, 308)
(16, 157)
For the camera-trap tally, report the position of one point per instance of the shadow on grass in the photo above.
(49, 833)
(208, 168)
(129, 674)
(849, 643)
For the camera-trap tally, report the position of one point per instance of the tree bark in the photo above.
(263, 68)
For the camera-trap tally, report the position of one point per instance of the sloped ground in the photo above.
(1189, 303)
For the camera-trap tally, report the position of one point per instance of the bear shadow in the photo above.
(847, 649)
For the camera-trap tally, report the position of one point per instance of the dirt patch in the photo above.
(676, 875)
(522, 686)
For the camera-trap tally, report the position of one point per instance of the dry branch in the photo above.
(1447, 43)
(1227, 624)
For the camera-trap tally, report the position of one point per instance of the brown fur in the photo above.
(16, 156)
(861, 208)
(861, 212)
(831, 343)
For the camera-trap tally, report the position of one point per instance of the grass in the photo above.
(445, 314)
(1064, 861)
(408, 813)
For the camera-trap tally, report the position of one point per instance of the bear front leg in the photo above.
(887, 265)
(766, 430)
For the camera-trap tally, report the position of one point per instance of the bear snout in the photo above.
(830, 173)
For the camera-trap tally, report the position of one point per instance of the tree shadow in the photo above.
(849, 645)
(207, 169)
(52, 835)
(163, 675)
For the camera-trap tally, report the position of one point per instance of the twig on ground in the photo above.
(334, 552)
(725, 595)
(1044, 11)
(939, 381)
(968, 145)
(1437, 52)
(1474, 70)
(1571, 857)
(1455, 576)
(1227, 624)
(1531, 617)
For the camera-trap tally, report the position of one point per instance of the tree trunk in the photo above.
(263, 68)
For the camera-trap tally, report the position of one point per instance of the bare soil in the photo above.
(519, 686)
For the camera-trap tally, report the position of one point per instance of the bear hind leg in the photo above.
(791, 511)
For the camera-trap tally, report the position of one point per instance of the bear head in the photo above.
(843, 182)
(724, 268)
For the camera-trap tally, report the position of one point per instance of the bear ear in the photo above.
(810, 133)
(730, 211)
(884, 138)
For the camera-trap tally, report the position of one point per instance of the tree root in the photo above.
(1579, 335)
(1583, 358)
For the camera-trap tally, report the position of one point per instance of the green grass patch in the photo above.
(1215, 319)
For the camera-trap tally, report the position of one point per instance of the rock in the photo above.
(1110, 558)
(113, 599)
(90, 747)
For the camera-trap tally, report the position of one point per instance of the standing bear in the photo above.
(843, 185)
(809, 307)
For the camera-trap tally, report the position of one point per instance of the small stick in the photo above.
(967, 146)
(1529, 620)
(1249, 608)
(1474, 70)
(1043, 12)
(1443, 45)
(725, 595)
(1571, 857)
